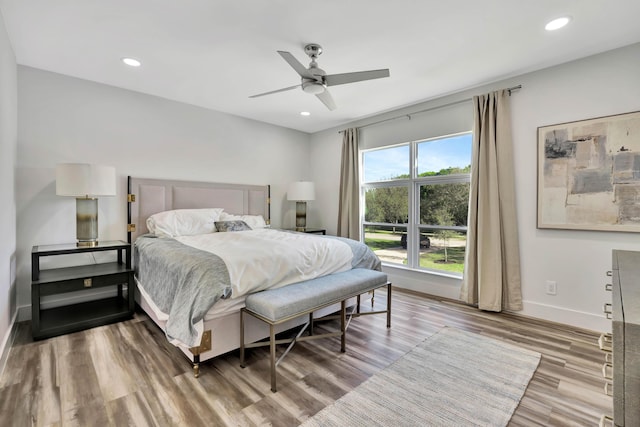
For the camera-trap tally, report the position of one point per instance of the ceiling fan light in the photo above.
(313, 88)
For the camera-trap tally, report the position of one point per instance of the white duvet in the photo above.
(258, 259)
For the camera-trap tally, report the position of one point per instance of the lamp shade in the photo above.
(85, 180)
(301, 191)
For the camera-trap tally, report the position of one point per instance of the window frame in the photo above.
(413, 184)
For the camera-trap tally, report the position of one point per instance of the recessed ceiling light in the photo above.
(131, 62)
(305, 113)
(557, 23)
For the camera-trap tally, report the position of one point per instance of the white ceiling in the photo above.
(215, 53)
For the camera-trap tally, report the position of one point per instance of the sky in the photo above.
(433, 155)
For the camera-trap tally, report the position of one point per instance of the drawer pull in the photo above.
(607, 371)
(604, 342)
(605, 420)
(87, 283)
(607, 389)
(608, 357)
(609, 273)
(607, 310)
(608, 287)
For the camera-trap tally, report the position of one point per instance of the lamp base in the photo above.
(87, 244)
(301, 216)
(87, 221)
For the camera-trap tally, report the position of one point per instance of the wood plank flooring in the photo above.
(127, 374)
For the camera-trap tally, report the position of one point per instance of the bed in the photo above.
(219, 330)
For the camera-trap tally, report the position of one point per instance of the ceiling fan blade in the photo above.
(296, 65)
(327, 100)
(275, 91)
(340, 79)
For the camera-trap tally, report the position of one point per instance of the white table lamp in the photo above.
(85, 182)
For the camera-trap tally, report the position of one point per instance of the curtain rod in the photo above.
(450, 104)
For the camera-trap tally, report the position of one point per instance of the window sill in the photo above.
(444, 274)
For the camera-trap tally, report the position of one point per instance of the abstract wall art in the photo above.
(589, 174)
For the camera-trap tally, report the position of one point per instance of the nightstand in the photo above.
(310, 230)
(51, 322)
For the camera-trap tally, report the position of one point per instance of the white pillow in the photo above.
(253, 221)
(183, 222)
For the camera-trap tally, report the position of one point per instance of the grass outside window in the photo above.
(443, 254)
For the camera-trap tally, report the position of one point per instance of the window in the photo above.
(416, 200)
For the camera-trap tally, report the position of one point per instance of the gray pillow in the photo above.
(236, 225)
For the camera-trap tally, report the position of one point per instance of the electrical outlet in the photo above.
(551, 287)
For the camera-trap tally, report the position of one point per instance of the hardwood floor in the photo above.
(127, 373)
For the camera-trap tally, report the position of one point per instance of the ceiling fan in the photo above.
(315, 81)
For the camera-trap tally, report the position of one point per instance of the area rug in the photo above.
(453, 378)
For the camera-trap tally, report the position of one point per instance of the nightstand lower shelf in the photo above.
(77, 317)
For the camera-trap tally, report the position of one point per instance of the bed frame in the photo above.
(149, 196)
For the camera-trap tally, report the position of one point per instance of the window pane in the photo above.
(443, 250)
(423, 186)
(444, 156)
(386, 164)
(387, 242)
(444, 204)
(390, 205)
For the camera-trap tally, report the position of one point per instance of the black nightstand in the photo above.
(71, 318)
(310, 230)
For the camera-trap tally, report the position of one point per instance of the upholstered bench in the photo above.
(279, 305)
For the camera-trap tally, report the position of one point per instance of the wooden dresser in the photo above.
(625, 313)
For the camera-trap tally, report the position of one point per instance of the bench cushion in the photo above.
(302, 297)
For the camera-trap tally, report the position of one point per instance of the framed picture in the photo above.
(589, 174)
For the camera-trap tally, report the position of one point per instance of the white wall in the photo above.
(64, 119)
(8, 150)
(597, 86)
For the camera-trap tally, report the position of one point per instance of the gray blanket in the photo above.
(184, 282)
(363, 257)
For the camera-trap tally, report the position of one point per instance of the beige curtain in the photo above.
(492, 263)
(348, 206)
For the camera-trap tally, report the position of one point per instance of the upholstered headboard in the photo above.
(149, 196)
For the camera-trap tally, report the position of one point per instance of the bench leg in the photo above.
(343, 326)
(388, 305)
(272, 350)
(242, 337)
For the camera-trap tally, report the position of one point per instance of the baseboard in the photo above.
(449, 287)
(579, 319)
(24, 313)
(7, 342)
